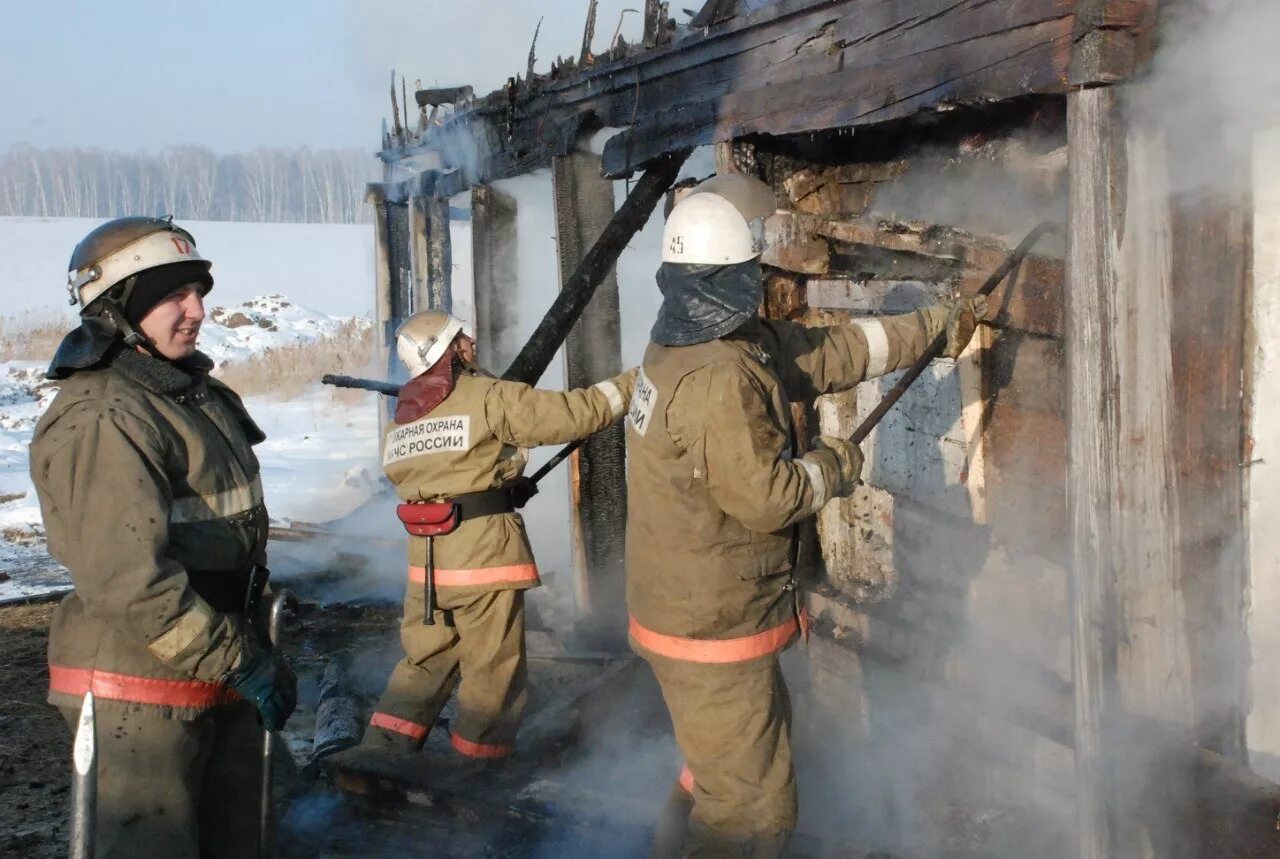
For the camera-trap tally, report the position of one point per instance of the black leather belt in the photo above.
(491, 502)
(230, 591)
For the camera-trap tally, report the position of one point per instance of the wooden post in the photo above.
(1130, 630)
(593, 351)
(395, 278)
(432, 255)
(382, 277)
(497, 281)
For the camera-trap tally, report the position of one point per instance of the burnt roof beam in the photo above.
(790, 67)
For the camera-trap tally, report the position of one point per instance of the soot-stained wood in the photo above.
(788, 68)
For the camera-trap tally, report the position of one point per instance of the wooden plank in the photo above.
(1210, 244)
(832, 40)
(1031, 59)
(1263, 458)
(1031, 299)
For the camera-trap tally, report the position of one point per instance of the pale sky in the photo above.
(235, 74)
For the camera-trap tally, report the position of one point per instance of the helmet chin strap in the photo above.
(132, 337)
(472, 366)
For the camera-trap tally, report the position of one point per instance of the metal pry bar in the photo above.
(940, 342)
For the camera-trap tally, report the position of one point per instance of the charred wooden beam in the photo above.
(431, 254)
(533, 55)
(655, 22)
(436, 96)
(585, 57)
(577, 290)
(593, 351)
(714, 12)
(764, 72)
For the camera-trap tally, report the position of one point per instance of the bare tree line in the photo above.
(189, 182)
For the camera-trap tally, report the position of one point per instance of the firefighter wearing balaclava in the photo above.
(455, 453)
(149, 489)
(715, 485)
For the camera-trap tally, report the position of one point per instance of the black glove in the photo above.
(267, 681)
(521, 489)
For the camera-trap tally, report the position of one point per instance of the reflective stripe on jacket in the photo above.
(145, 472)
(715, 485)
(106, 686)
(473, 441)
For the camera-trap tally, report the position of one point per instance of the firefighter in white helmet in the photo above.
(455, 453)
(149, 489)
(716, 484)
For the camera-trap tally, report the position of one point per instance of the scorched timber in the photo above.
(790, 67)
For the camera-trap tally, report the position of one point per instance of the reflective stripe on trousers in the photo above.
(509, 574)
(387, 722)
(478, 750)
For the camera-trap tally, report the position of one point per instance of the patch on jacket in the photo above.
(643, 399)
(428, 435)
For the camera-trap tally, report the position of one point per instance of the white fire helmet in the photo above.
(720, 222)
(422, 339)
(121, 248)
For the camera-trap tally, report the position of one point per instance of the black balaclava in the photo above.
(701, 303)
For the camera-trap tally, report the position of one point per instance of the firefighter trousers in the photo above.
(170, 789)
(733, 725)
(476, 644)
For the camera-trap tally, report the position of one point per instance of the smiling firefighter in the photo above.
(455, 453)
(715, 488)
(150, 494)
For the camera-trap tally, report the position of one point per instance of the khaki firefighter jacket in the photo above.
(151, 498)
(714, 488)
(473, 441)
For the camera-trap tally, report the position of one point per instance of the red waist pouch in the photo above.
(429, 518)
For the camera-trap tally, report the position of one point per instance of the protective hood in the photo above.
(426, 391)
(701, 303)
(84, 347)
